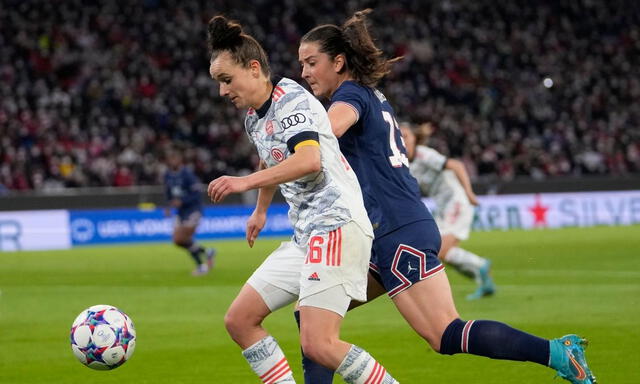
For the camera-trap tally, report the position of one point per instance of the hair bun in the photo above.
(223, 34)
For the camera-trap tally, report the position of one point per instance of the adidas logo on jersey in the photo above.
(314, 277)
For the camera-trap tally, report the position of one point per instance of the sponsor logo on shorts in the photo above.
(314, 277)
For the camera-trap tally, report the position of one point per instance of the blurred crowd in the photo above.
(93, 93)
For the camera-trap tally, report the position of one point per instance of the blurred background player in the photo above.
(447, 183)
(184, 194)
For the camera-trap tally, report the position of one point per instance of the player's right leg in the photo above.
(264, 293)
(243, 322)
(244, 317)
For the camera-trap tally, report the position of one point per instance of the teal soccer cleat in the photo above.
(487, 287)
(566, 356)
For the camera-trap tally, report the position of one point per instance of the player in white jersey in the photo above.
(325, 265)
(446, 181)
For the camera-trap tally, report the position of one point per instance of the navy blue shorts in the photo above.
(189, 217)
(406, 256)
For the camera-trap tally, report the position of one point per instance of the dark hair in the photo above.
(364, 60)
(226, 35)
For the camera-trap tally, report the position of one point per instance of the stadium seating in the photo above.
(92, 93)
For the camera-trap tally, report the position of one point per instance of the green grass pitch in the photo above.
(551, 282)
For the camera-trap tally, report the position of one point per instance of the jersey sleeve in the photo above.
(297, 121)
(350, 96)
(431, 158)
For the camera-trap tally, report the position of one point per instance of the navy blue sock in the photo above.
(494, 340)
(314, 373)
(195, 250)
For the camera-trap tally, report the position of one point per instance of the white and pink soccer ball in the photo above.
(103, 337)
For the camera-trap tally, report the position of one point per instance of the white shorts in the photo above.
(455, 218)
(338, 258)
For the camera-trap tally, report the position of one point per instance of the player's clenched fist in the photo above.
(222, 186)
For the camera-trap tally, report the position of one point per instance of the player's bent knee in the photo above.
(237, 324)
(318, 349)
(180, 241)
(432, 338)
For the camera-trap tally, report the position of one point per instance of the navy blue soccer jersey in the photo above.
(184, 186)
(374, 148)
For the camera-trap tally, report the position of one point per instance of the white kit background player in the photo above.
(447, 183)
(325, 265)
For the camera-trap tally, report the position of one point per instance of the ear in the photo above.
(339, 63)
(255, 68)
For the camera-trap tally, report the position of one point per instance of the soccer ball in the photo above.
(103, 337)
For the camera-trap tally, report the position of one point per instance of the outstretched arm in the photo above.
(461, 173)
(304, 161)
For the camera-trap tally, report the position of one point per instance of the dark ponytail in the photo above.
(225, 35)
(365, 61)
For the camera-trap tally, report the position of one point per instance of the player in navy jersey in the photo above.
(183, 193)
(343, 65)
(325, 264)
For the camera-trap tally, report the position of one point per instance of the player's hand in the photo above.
(473, 199)
(222, 186)
(254, 225)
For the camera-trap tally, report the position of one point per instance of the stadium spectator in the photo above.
(519, 89)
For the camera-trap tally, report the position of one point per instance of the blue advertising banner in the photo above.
(134, 225)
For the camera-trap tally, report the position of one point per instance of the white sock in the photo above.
(358, 367)
(268, 362)
(467, 262)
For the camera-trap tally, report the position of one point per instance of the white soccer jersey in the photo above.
(321, 202)
(428, 167)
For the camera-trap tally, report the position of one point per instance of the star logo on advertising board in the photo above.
(539, 212)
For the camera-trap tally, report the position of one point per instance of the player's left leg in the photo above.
(320, 319)
(315, 373)
(428, 307)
